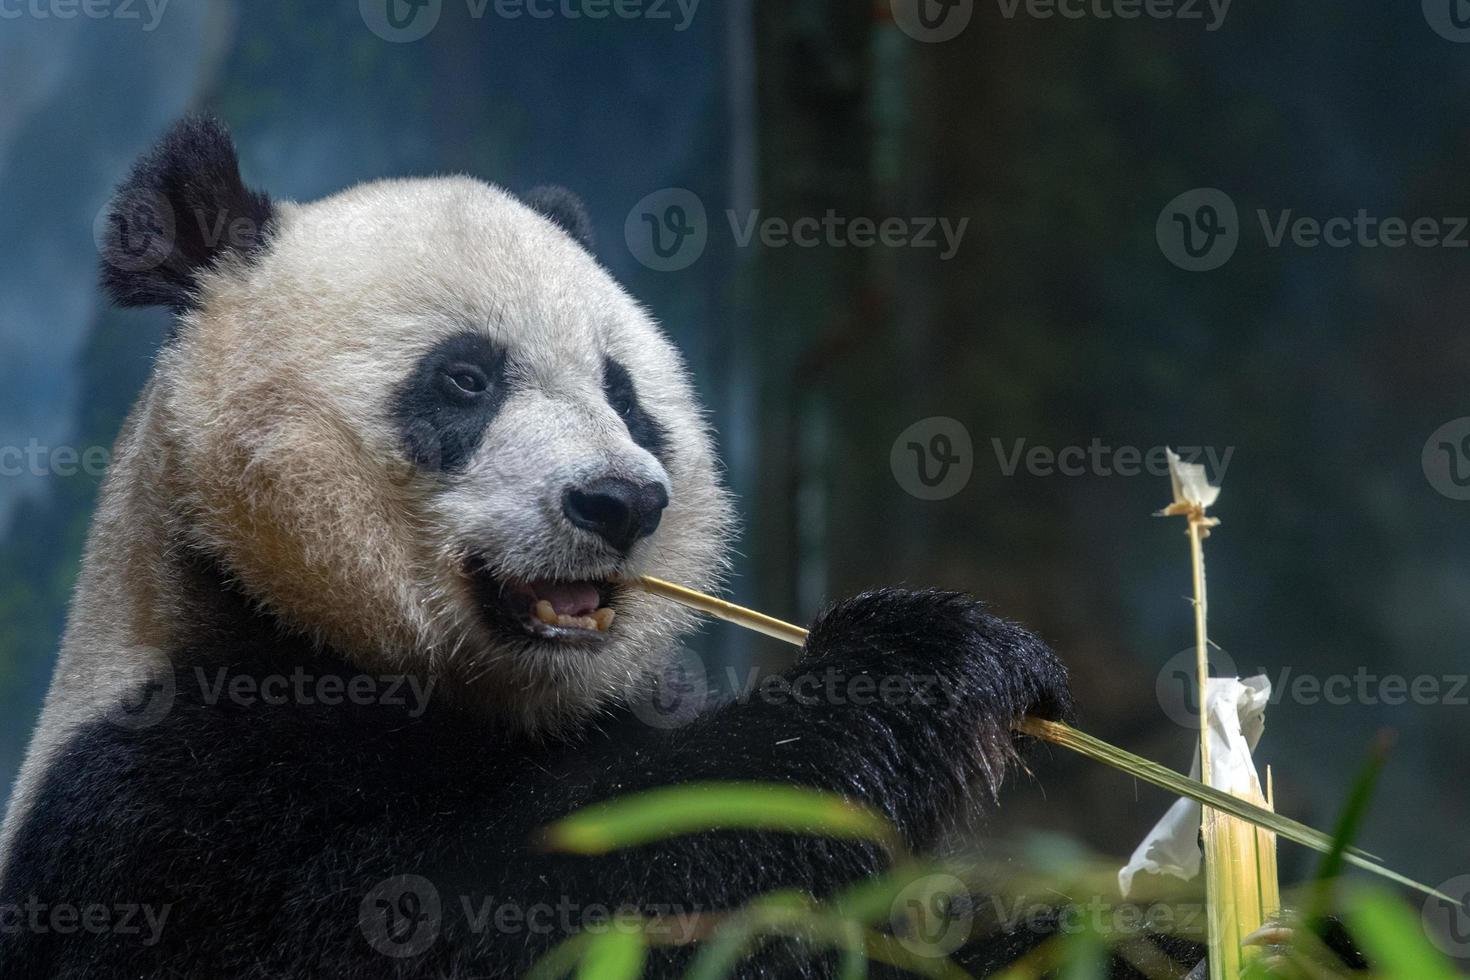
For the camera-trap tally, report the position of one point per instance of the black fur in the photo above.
(181, 208)
(439, 423)
(647, 431)
(565, 209)
(267, 830)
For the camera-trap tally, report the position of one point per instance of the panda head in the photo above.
(418, 422)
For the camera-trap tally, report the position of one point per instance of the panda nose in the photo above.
(616, 510)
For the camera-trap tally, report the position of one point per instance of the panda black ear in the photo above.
(564, 208)
(181, 208)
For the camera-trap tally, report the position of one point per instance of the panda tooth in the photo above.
(546, 613)
(603, 619)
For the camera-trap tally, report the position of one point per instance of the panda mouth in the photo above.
(558, 610)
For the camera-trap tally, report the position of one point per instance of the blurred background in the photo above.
(950, 274)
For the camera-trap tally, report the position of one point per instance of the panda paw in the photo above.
(1286, 953)
(976, 669)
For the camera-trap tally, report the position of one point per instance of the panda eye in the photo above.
(467, 379)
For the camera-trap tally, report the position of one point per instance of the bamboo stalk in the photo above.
(1238, 897)
(1065, 736)
(1223, 858)
(728, 611)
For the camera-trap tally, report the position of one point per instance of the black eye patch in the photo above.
(448, 400)
(646, 431)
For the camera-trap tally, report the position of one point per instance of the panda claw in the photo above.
(1270, 934)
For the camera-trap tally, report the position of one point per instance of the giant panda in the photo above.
(405, 442)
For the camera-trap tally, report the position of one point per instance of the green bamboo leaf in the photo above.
(883, 948)
(854, 963)
(672, 811)
(719, 956)
(1348, 824)
(744, 932)
(561, 959)
(1393, 939)
(1084, 957)
(870, 901)
(614, 955)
